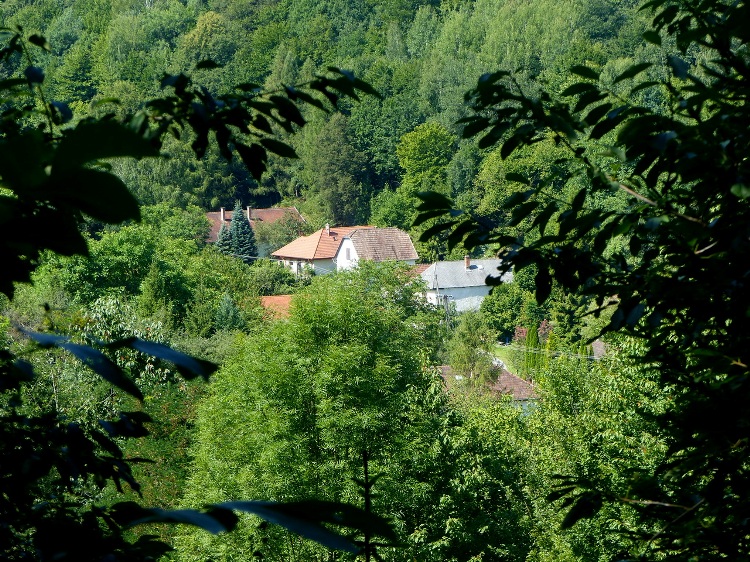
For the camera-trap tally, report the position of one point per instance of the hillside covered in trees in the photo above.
(607, 166)
(365, 163)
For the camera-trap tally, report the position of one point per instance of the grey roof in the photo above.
(383, 244)
(452, 274)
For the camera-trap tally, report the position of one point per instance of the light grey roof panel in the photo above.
(451, 274)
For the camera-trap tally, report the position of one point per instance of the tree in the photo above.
(326, 388)
(50, 177)
(671, 264)
(470, 348)
(241, 237)
(224, 240)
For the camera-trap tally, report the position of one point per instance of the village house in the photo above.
(339, 248)
(462, 283)
(254, 216)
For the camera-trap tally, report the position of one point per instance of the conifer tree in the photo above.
(224, 240)
(229, 315)
(242, 239)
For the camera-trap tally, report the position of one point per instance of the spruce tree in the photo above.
(224, 240)
(242, 239)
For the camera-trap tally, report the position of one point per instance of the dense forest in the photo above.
(343, 399)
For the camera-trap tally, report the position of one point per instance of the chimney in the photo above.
(223, 216)
(248, 213)
(328, 229)
(467, 261)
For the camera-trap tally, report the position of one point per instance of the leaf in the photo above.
(254, 157)
(93, 358)
(597, 113)
(189, 367)
(679, 67)
(515, 176)
(206, 521)
(740, 190)
(455, 237)
(578, 88)
(9, 83)
(101, 195)
(207, 64)
(280, 148)
(91, 141)
(433, 200)
(635, 314)
(305, 518)
(34, 75)
(587, 506)
(543, 282)
(40, 41)
(652, 37)
(632, 71)
(436, 229)
(585, 72)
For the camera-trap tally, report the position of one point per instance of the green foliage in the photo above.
(241, 237)
(310, 396)
(670, 263)
(51, 175)
(228, 315)
(470, 346)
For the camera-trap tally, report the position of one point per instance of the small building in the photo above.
(268, 216)
(462, 283)
(375, 244)
(342, 247)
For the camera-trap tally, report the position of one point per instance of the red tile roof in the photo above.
(518, 388)
(506, 383)
(320, 245)
(270, 216)
(277, 306)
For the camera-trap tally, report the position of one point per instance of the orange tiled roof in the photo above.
(320, 245)
(277, 306)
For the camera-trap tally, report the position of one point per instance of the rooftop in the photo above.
(270, 216)
(320, 245)
(449, 274)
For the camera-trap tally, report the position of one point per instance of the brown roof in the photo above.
(277, 306)
(518, 388)
(383, 244)
(420, 268)
(270, 216)
(320, 245)
(506, 383)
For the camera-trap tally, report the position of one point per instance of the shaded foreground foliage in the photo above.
(53, 171)
(671, 267)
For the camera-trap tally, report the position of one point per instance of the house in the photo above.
(521, 391)
(267, 216)
(462, 283)
(375, 244)
(339, 248)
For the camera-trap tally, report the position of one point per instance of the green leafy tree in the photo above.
(469, 350)
(241, 237)
(671, 263)
(327, 387)
(50, 177)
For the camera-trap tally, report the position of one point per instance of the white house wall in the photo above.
(347, 257)
(464, 298)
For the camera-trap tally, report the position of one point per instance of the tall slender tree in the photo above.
(224, 240)
(242, 239)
